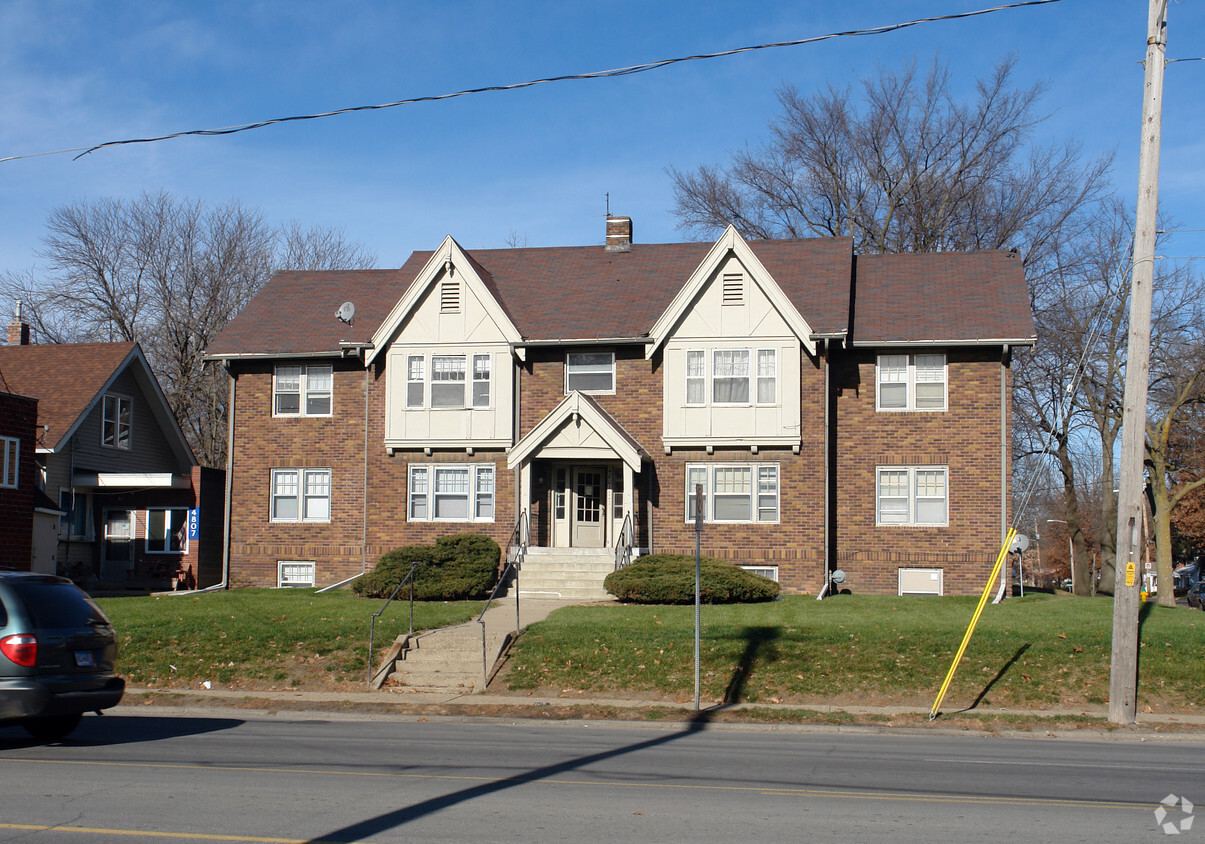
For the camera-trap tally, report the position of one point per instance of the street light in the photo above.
(1070, 550)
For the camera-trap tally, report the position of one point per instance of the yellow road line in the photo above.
(969, 799)
(152, 833)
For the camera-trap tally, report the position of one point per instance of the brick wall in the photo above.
(965, 437)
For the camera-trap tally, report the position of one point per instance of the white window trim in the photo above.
(754, 494)
(768, 572)
(476, 471)
(609, 392)
(303, 390)
(10, 463)
(300, 566)
(469, 381)
(912, 496)
(709, 376)
(147, 532)
(301, 495)
(910, 384)
(104, 422)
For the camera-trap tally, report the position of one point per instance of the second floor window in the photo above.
(590, 372)
(456, 381)
(10, 454)
(911, 382)
(738, 376)
(302, 390)
(115, 425)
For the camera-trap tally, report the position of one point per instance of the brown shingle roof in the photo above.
(944, 296)
(64, 378)
(556, 293)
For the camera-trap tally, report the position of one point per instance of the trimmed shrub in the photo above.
(460, 567)
(670, 579)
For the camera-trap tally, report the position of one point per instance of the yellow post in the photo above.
(987, 591)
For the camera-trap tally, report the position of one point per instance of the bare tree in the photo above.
(909, 169)
(169, 274)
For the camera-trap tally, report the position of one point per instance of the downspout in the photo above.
(828, 498)
(516, 435)
(1003, 470)
(364, 506)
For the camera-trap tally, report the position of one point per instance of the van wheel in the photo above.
(52, 726)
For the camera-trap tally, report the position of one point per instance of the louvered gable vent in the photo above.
(449, 297)
(734, 289)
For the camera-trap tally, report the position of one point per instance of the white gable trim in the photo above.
(155, 398)
(575, 405)
(450, 255)
(730, 241)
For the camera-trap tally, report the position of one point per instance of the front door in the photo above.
(118, 555)
(588, 506)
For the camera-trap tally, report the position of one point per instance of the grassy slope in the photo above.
(248, 638)
(1040, 651)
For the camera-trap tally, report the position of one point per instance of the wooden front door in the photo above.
(588, 507)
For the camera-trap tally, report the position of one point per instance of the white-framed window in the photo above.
(301, 495)
(911, 382)
(447, 381)
(76, 521)
(302, 390)
(920, 582)
(415, 380)
(295, 573)
(737, 376)
(481, 380)
(451, 492)
(10, 457)
(167, 531)
(116, 421)
(734, 492)
(912, 495)
(768, 572)
(590, 372)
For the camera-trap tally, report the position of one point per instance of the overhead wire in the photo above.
(598, 74)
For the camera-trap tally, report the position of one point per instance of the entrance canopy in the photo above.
(578, 429)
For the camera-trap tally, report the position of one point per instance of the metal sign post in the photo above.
(698, 533)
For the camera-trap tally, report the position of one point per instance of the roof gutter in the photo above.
(1003, 341)
(234, 356)
(587, 341)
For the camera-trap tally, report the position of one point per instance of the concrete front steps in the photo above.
(447, 660)
(574, 574)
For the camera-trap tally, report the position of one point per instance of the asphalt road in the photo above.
(157, 777)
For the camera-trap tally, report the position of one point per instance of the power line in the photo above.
(597, 74)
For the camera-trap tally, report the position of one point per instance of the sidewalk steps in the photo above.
(567, 573)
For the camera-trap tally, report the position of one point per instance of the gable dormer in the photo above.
(732, 342)
(446, 353)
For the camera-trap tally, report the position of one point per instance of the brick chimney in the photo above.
(619, 234)
(18, 329)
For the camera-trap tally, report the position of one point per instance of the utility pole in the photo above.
(1123, 674)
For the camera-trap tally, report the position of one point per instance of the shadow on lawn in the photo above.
(756, 640)
(1003, 670)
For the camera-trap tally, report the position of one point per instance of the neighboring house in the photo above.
(837, 411)
(117, 484)
(18, 420)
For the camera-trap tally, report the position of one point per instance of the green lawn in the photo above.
(1038, 651)
(248, 638)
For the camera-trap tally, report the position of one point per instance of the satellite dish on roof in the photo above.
(345, 313)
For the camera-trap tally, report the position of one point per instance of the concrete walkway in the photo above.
(452, 660)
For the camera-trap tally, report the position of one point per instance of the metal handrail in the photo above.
(372, 627)
(623, 547)
(516, 549)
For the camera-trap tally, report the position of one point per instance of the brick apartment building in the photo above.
(839, 411)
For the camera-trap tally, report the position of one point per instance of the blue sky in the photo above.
(537, 162)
